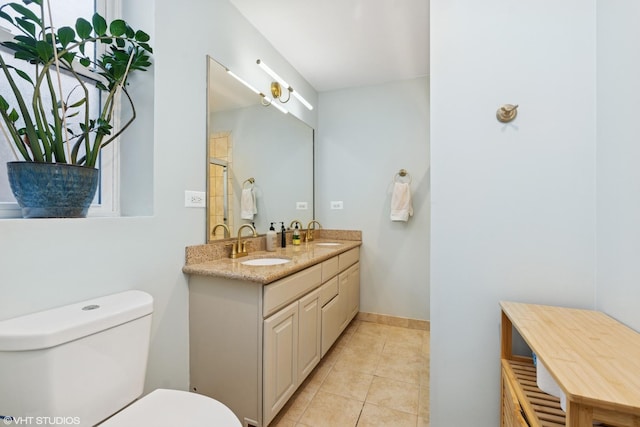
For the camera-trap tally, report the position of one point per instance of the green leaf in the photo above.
(130, 33)
(146, 47)
(99, 24)
(24, 75)
(120, 43)
(141, 36)
(68, 57)
(83, 28)
(45, 51)
(118, 27)
(4, 105)
(79, 103)
(5, 16)
(26, 12)
(85, 61)
(13, 115)
(26, 25)
(66, 35)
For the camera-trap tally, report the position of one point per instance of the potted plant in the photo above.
(55, 131)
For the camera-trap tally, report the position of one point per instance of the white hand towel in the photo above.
(401, 207)
(248, 206)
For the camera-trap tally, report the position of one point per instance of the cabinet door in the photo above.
(349, 291)
(353, 292)
(309, 312)
(332, 320)
(280, 359)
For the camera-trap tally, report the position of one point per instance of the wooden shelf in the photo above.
(594, 359)
(539, 408)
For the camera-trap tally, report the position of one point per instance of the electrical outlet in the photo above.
(195, 199)
(336, 204)
(302, 206)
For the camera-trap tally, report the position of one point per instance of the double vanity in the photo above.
(259, 324)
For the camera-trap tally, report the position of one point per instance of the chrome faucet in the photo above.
(309, 237)
(227, 230)
(239, 248)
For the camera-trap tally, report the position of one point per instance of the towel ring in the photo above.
(251, 181)
(402, 173)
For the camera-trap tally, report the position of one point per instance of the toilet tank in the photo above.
(77, 364)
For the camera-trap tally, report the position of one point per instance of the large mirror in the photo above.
(260, 161)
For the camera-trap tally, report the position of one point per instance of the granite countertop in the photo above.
(207, 260)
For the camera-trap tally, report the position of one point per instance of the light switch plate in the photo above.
(336, 204)
(195, 199)
(302, 206)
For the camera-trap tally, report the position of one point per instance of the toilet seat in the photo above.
(170, 408)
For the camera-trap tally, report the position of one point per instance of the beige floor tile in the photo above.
(400, 340)
(282, 422)
(316, 377)
(423, 403)
(423, 422)
(394, 394)
(358, 360)
(378, 416)
(332, 394)
(296, 406)
(372, 329)
(330, 410)
(366, 342)
(347, 383)
(405, 368)
(333, 354)
(424, 373)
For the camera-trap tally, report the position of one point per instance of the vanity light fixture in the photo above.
(238, 78)
(266, 101)
(276, 87)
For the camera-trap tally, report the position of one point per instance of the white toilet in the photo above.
(80, 364)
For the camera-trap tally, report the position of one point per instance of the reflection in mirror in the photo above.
(260, 160)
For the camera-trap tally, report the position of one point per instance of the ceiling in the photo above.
(336, 44)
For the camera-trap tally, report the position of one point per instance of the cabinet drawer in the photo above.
(291, 288)
(329, 268)
(348, 258)
(328, 291)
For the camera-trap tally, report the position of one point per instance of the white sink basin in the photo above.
(328, 244)
(266, 261)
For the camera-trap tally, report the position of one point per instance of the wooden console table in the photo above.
(594, 359)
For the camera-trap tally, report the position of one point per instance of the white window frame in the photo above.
(109, 184)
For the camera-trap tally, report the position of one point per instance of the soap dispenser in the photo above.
(272, 239)
(283, 238)
(296, 235)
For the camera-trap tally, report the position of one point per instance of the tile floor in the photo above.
(374, 375)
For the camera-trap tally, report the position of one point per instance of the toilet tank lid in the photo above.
(59, 325)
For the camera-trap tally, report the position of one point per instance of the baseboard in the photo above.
(402, 322)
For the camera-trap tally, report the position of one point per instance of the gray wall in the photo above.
(365, 136)
(618, 208)
(513, 206)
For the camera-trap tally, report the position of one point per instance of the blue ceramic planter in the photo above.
(52, 190)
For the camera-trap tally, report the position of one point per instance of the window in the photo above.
(105, 202)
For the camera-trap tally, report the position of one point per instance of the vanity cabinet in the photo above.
(252, 345)
(592, 357)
